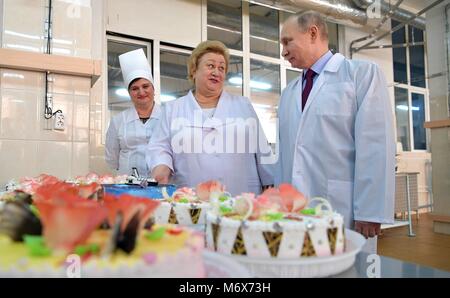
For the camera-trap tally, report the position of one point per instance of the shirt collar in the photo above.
(321, 63)
(132, 115)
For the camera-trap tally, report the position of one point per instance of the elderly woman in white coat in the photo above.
(129, 132)
(210, 134)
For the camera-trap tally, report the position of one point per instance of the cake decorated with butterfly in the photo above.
(278, 224)
(63, 230)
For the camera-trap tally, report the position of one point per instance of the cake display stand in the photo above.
(305, 267)
(219, 266)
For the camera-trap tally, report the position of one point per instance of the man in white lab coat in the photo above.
(336, 131)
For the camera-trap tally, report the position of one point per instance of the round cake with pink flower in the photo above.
(280, 223)
(189, 206)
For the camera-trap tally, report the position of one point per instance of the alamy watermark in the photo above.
(374, 268)
(74, 9)
(374, 10)
(73, 269)
(216, 136)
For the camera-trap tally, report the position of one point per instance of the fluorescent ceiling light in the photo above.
(122, 92)
(405, 108)
(21, 34)
(262, 106)
(253, 84)
(166, 97)
(22, 47)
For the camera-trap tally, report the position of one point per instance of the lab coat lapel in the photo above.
(331, 67)
(193, 111)
(222, 111)
(314, 91)
(131, 115)
(298, 94)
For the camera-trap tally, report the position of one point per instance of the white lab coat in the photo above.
(127, 139)
(239, 172)
(342, 146)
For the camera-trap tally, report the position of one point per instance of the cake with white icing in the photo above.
(189, 207)
(280, 223)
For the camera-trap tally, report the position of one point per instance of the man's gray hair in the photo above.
(309, 18)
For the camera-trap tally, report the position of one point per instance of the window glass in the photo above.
(264, 31)
(265, 94)
(225, 22)
(174, 81)
(416, 58)
(418, 115)
(402, 116)
(399, 55)
(234, 81)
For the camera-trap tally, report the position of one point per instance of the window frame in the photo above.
(414, 89)
(410, 90)
(125, 39)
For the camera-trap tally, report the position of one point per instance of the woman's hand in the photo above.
(162, 174)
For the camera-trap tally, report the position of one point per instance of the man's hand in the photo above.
(368, 229)
(161, 174)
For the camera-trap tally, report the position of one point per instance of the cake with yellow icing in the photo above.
(278, 224)
(168, 255)
(60, 231)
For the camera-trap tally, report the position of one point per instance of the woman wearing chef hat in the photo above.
(129, 132)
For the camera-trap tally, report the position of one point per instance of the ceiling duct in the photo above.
(399, 14)
(345, 12)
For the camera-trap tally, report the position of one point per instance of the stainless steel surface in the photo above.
(408, 200)
(389, 268)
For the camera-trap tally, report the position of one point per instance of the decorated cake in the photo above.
(61, 230)
(187, 206)
(280, 223)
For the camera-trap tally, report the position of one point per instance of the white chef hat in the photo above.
(134, 64)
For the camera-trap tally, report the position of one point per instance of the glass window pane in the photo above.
(399, 55)
(402, 115)
(291, 75)
(418, 115)
(333, 39)
(417, 58)
(265, 93)
(225, 22)
(233, 83)
(118, 97)
(174, 81)
(264, 31)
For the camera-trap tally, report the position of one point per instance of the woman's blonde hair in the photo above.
(209, 46)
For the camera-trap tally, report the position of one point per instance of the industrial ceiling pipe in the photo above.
(399, 14)
(346, 12)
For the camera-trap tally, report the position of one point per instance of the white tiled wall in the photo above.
(27, 148)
